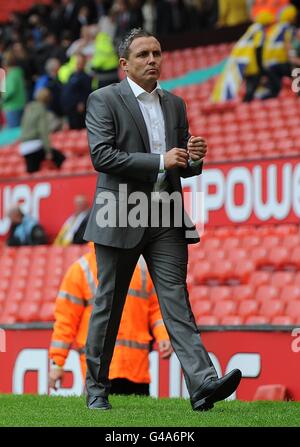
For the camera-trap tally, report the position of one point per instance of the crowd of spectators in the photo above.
(69, 47)
(26, 230)
(40, 48)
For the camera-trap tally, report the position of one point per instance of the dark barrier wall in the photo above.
(211, 36)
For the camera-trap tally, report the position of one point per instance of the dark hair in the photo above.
(129, 38)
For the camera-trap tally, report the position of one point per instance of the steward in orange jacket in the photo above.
(141, 321)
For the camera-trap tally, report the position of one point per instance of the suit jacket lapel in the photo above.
(167, 112)
(133, 107)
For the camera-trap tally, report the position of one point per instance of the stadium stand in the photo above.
(29, 280)
(238, 275)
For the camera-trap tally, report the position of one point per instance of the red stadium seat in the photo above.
(282, 320)
(225, 307)
(201, 272)
(210, 243)
(214, 254)
(244, 231)
(202, 307)
(290, 293)
(266, 293)
(223, 232)
(296, 281)
(293, 310)
(242, 272)
(50, 294)
(231, 320)
(265, 230)
(207, 320)
(257, 320)
(242, 292)
(259, 278)
(230, 243)
(248, 307)
(217, 293)
(282, 279)
(28, 312)
(278, 257)
(272, 308)
(199, 293)
(9, 312)
(291, 240)
(271, 392)
(220, 272)
(237, 255)
(251, 241)
(2, 298)
(259, 255)
(294, 261)
(47, 312)
(285, 230)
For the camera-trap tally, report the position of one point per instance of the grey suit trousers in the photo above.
(165, 252)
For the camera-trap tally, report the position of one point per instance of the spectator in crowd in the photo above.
(141, 322)
(26, 62)
(244, 62)
(55, 20)
(149, 15)
(254, 70)
(37, 29)
(35, 145)
(66, 41)
(275, 55)
(14, 97)
(24, 229)
(50, 81)
(294, 50)
(126, 16)
(86, 43)
(105, 62)
(233, 12)
(50, 48)
(69, 18)
(75, 93)
(179, 15)
(202, 13)
(157, 17)
(73, 228)
(102, 9)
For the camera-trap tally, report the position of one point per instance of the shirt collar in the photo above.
(138, 90)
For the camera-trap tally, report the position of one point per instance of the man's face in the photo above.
(144, 62)
(15, 216)
(80, 204)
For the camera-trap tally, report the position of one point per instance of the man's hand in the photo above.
(55, 374)
(197, 148)
(176, 158)
(165, 348)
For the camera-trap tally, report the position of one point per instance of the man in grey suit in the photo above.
(140, 144)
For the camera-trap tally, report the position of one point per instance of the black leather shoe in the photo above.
(97, 403)
(216, 389)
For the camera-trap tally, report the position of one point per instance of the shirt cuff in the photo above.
(161, 164)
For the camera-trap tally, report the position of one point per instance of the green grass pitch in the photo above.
(135, 411)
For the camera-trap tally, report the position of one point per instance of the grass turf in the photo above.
(135, 411)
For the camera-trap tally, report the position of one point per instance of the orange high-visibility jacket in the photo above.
(141, 317)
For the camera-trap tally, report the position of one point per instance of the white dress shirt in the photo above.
(153, 116)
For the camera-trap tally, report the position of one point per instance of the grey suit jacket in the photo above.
(120, 152)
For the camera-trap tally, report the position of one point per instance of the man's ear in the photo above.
(123, 63)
